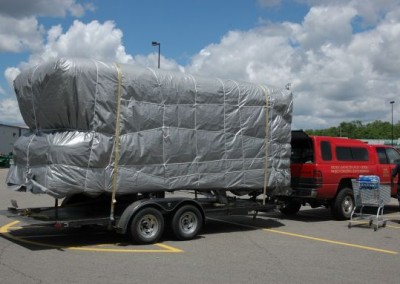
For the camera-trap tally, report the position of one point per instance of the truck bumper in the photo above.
(304, 193)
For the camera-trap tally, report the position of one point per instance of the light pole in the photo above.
(392, 103)
(155, 43)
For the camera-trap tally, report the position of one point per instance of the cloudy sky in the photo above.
(341, 56)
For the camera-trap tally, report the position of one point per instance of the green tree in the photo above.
(356, 129)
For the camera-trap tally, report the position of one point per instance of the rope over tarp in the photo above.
(116, 143)
(266, 147)
(177, 132)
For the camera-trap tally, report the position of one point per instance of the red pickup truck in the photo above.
(322, 169)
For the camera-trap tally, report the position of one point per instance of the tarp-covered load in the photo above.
(98, 127)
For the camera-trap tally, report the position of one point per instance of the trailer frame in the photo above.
(144, 218)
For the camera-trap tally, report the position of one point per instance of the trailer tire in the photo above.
(147, 226)
(187, 222)
(343, 204)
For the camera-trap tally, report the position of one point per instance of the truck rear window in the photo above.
(351, 154)
(326, 151)
(387, 155)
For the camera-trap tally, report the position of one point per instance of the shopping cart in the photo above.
(369, 194)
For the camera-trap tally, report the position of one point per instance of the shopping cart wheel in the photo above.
(384, 224)
(349, 225)
(370, 223)
(376, 227)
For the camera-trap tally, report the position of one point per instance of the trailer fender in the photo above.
(164, 205)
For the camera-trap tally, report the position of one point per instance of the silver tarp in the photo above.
(101, 127)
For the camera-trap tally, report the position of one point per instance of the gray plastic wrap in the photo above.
(98, 127)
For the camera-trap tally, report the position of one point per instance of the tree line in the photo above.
(356, 129)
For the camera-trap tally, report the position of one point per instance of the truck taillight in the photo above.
(318, 178)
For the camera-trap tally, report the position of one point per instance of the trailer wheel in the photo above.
(147, 226)
(343, 204)
(187, 222)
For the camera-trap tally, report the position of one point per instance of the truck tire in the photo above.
(187, 222)
(290, 208)
(147, 226)
(343, 205)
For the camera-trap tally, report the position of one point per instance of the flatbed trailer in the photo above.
(142, 218)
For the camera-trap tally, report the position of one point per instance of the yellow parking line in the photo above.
(312, 238)
(331, 241)
(4, 230)
(164, 248)
(169, 248)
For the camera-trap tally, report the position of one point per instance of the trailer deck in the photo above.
(96, 212)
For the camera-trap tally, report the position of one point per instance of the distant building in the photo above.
(8, 135)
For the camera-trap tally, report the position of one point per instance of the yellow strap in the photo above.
(116, 143)
(267, 102)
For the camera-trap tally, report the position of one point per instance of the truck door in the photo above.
(387, 158)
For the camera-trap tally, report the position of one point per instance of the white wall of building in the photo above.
(8, 135)
(396, 142)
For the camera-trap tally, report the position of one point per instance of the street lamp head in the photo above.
(392, 102)
(156, 43)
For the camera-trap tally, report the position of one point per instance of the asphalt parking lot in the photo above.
(308, 248)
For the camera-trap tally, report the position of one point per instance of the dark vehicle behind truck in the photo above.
(5, 160)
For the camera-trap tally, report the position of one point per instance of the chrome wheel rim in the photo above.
(148, 226)
(188, 222)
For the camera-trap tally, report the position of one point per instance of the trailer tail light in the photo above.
(58, 226)
(317, 178)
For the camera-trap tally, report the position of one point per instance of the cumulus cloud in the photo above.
(49, 8)
(10, 112)
(260, 55)
(19, 27)
(151, 60)
(92, 40)
(326, 25)
(17, 35)
(338, 71)
(11, 73)
(102, 41)
(369, 12)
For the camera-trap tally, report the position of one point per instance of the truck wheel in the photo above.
(187, 222)
(290, 208)
(343, 204)
(147, 226)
